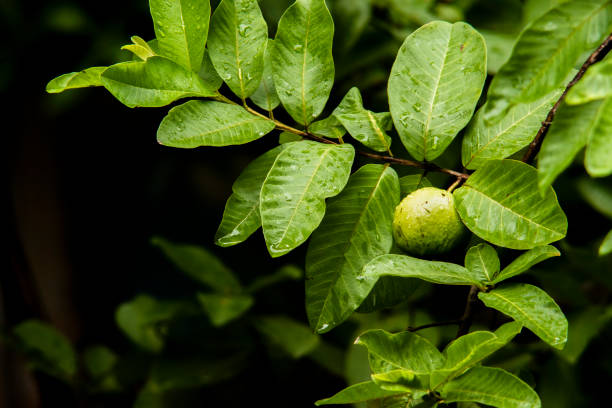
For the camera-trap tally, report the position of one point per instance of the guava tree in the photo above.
(333, 178)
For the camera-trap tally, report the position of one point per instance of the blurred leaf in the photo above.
(99, 361)
(293, 195)
(597, 194)
(142, 320)
(408, 267)
(365, 126)
(413, 182)
(181, 28)
(356, 229)
(292, 337)
(153, 83)
(208, 73)
(241, 215)
(470, 349)
(483, 262)
(489, 141)
(525, 261)
(265, 95)
(287, 272)
(200, 265)
(491, 386)
(222, 309)
(599, 145)
(567, 136)
(83, 79)
(361, 392)
(583, 327)
(500, 203)
(329, 357)
(595, 84)
(210, 123)
(534, 9)
(547, 51)
(47, 349)
(288, 137)
(236, 43)
(351, 18)
(139, 48)
(606, 246)
(499, 48)
(302, 59)
(436, 61)
(533, 308)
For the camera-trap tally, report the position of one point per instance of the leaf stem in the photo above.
(466, 319)
(597, 55)
(435, 324)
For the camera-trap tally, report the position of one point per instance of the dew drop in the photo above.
(243, 29)
(297, 47)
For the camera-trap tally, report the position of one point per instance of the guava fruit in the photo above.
(426, 223)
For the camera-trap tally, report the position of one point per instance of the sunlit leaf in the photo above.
(153, 83)
(293, 195)
(140, 48)
(361, 392)
(236, 43)
(367, 127)
(525, 261)
(356, 229)
(533, 308)
(328, 127)
(435, 83)
(181, 28)
(302, 59)
(599, 145)
(500, 203)
(483, 262)
(595, 84)
(210, 123)
(74, 80)
(491, 386)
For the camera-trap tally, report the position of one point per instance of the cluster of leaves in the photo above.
(305, 188)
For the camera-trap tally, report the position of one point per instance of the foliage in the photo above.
(314, 184)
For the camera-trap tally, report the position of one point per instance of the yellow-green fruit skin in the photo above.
(426, 223)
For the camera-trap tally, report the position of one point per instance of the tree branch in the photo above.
(466, 319)
(597, 55)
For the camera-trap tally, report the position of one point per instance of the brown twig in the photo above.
(597, 55)
(466, 319)
(421, 165)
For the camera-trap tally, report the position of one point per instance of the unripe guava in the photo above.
(425, 222)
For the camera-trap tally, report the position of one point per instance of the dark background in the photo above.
(87, 186)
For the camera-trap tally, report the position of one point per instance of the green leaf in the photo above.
(208, 73)
(293, 337)
(46, 348)
(413, 182)
(351, 18)
(99, 361)
(584, 327)
(491, 386)
(284, 273)
(302, 59)
(210, 123)
(598, 195)
(489, 141)
(501, 204)
(241, 215)
(401, 351)
(293, 195)
(606, 246)
(567, 135)
(142, 318)
(355, 230)
(483, 262)
(533, 308)
(599, 145)
(222, 309)
(365, 126)
(595, 84)
(328, 127)
(470, 349)
(365, 391)
(408, 267)
(181, 28)
(200, 265)
(237, 41)
(499, 48)
(265, 95)
(74, 80)
(288, 137)
(139, 48)
(153, 83)
(547, 51)
(435, 83)
(526, 261)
